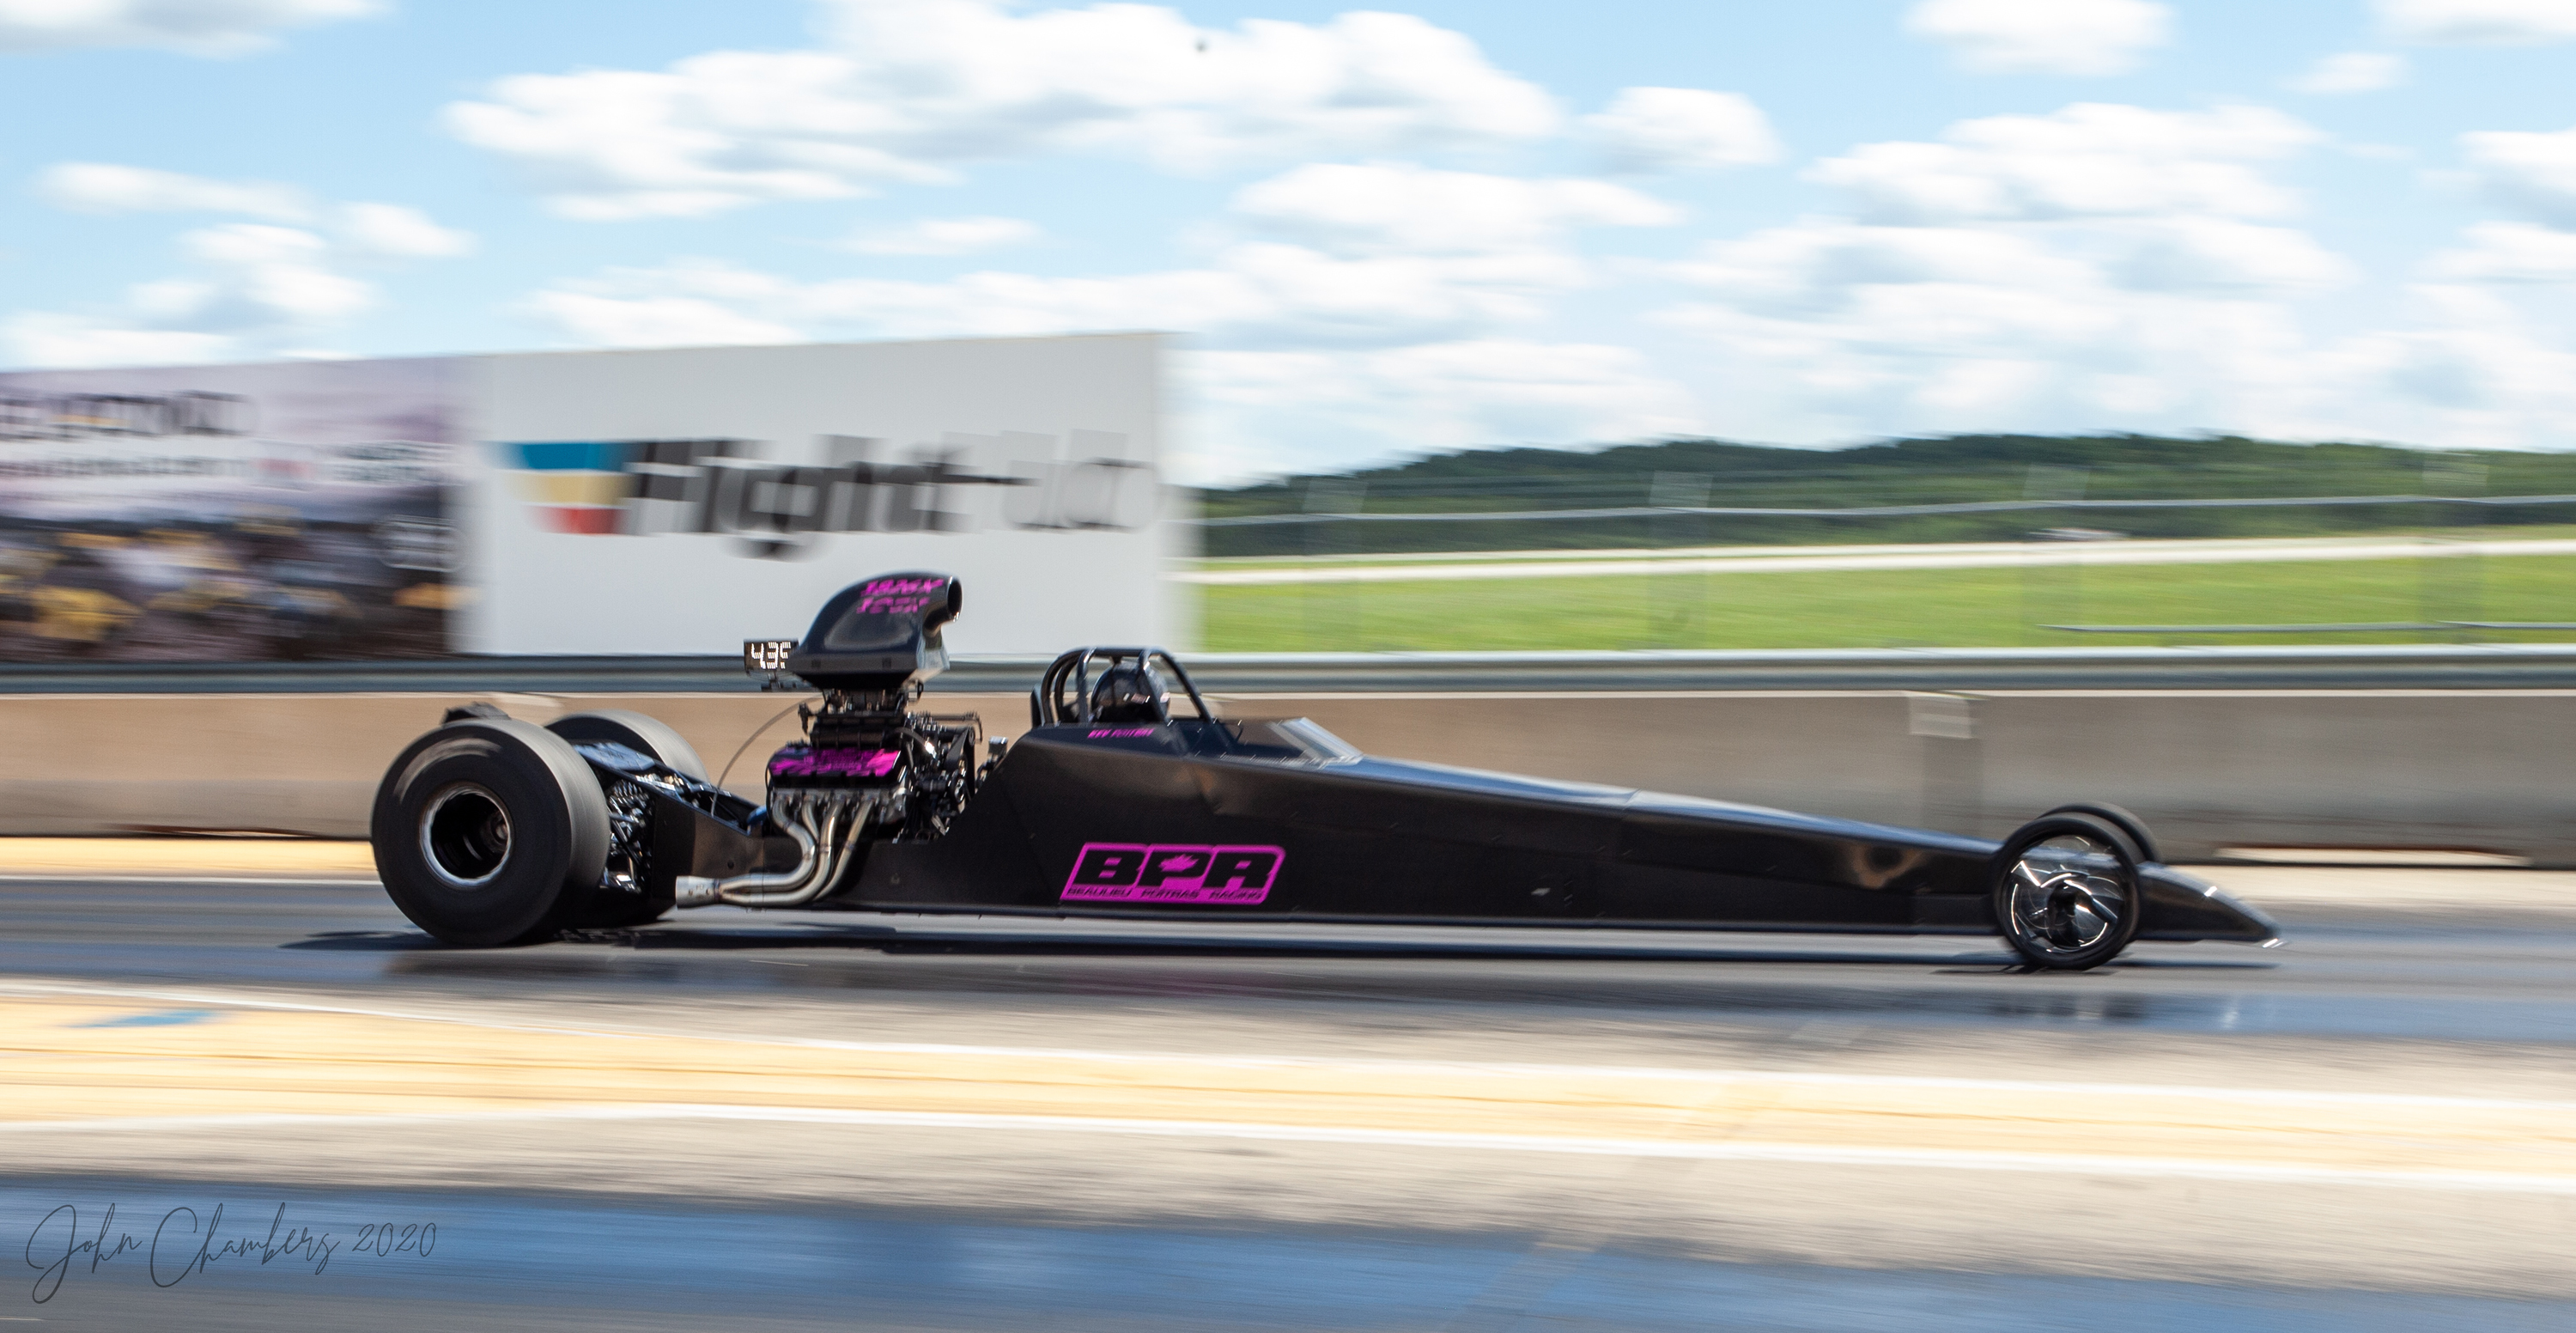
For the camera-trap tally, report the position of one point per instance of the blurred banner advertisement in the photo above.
(579, 503)
(228, 513)
(684, 501)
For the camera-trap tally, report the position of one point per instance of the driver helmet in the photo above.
(1130, 692)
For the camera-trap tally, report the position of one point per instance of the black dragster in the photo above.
(491, 831)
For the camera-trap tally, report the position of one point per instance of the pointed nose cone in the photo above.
(2183, 906)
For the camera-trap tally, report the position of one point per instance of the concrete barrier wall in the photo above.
(95, 764)
(2478, 770)
(2488, 771)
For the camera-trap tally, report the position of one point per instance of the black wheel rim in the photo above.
(2066, 895)
(465, 835)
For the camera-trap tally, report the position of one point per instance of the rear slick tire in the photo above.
(651, 737)
(490, 832)
(646, 735)
(2067, 896)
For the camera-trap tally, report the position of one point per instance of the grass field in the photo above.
(1897, 608)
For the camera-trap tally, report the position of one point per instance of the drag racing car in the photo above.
(1118, 802)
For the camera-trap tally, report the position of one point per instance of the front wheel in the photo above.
(2066, 891)
(490, 832)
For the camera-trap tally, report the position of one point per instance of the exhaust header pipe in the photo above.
(824, 825)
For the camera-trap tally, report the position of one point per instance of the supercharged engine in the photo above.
(870, 769)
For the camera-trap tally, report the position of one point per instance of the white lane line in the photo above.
(1805, 1154)
(1434, 1068)
(2109, 553)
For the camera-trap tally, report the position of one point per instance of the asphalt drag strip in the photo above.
(788, 1119)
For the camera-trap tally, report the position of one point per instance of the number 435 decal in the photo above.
(1126, 872)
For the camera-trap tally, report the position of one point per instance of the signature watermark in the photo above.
(184, 1245)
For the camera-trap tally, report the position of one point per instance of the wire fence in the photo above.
(2479, 502)
(2163, 489)
(2449, 538)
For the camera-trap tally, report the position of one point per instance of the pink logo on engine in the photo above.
(1119, 733)
(1120, 872)
(835, 764)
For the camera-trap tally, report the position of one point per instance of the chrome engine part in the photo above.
(867, 771)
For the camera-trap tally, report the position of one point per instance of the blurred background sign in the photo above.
(665, 503)
(228, 513)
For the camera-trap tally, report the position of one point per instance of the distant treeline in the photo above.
(1951, 469)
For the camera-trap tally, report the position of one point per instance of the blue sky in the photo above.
(1431, 226)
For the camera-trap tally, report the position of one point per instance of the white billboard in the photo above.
(667, 502)
(683, 501)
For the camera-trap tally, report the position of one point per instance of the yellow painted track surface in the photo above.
(69, 1060)
(185, 856)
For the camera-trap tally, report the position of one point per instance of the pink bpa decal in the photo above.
(1118, 872)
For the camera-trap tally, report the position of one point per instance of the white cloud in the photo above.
(2533, 171)
(393, 231)
(2105, 265)
(2227, 257)
(944, 236)
(269, 276)
(1821, 266)
(198, 27)
(2469, 372)
(903, 90)
(45, 341)
(1810, 268)
(1833, 330)
(2043, 36)
(602, 315)
(2509, 252)
(2089, 159)
(251, 287)
(2352, 72)
(1910, 330)
(1682, 129)
(1394, 208)
(101, 187)
(1381, 306)
(2479, 22)
(1256, 294)
(1317, 363)
(1328, 255)
(255, 287)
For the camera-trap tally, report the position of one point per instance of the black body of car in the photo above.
(491, 831)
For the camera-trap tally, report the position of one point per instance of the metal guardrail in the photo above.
(2379, 666)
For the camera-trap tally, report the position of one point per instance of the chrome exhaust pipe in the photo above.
(822, 837)
(827, 847)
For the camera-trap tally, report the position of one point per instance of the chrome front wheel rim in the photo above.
(2065, 896)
